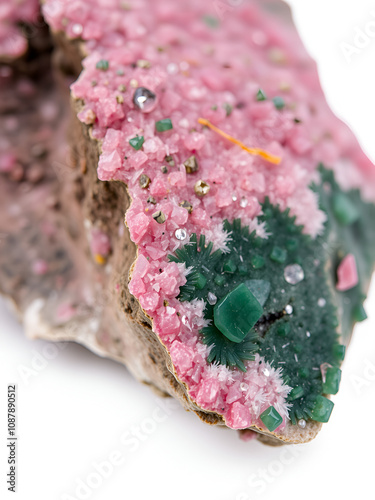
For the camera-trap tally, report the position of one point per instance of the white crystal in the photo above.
(234, 197)
(172, 69)
(180, 234)
(77, 29)
(244, 387)
(212, 299)
(288, 309)
(302, 423)
(308, 334)
(144, 99)
(243, 202)
(293, 274)
(322, 302)
(266, 372)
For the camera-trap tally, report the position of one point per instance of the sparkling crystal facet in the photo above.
(211, 298)
(271, 418)
(322, 409)
(302, 423)
(289, 309)
(201, 188)
(243, 202)
(293, 274)
(144, 99)
(180, 234)
(237, 313)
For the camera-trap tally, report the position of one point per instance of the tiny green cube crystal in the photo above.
(236, 313)
(322, 409)
(332, 381)
(296, 393)
(164, 125)
(278, 255)
(137, 142)
(271, 418)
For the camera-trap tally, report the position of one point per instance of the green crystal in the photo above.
(164, 125)
(278, 255)
(279, 102)
(304, 372)
(257, 261)
(200, 281)
(283, 330)
(260, 289)
(261, 96)
(339, 352)
(229, 266)
(322, 409)
(344, 209)
(296, 393)
(332, 383)
(242, 270)
(103, 65)
(292, 244)
(137, 142)
(271, 418)
(219, 280)
(236, 313)
(359, 313)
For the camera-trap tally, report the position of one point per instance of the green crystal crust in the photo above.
(298, 329)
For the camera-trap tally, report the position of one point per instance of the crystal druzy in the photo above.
(217, 125)
(274, 295)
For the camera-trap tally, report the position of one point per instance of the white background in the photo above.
(77, 410)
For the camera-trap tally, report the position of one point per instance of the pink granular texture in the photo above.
(12, 40)
(197, 70)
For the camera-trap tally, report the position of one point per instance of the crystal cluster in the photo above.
(161, 73)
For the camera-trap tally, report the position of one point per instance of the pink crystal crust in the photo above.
(199, 70)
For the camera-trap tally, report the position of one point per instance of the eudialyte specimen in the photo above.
(278, 296)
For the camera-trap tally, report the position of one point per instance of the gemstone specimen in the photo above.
(271, 418)
(237, 313)
(322, 409)
(332, 380)
(293, 274)
(144, 99)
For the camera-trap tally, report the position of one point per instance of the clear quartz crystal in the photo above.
(243, 202)
(144, 99)
(322, 302)
(180, 234)
(293, 274)
(211, 298)
(302, 423)
(288, 309)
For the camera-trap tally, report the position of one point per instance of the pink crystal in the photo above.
(347, 274)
